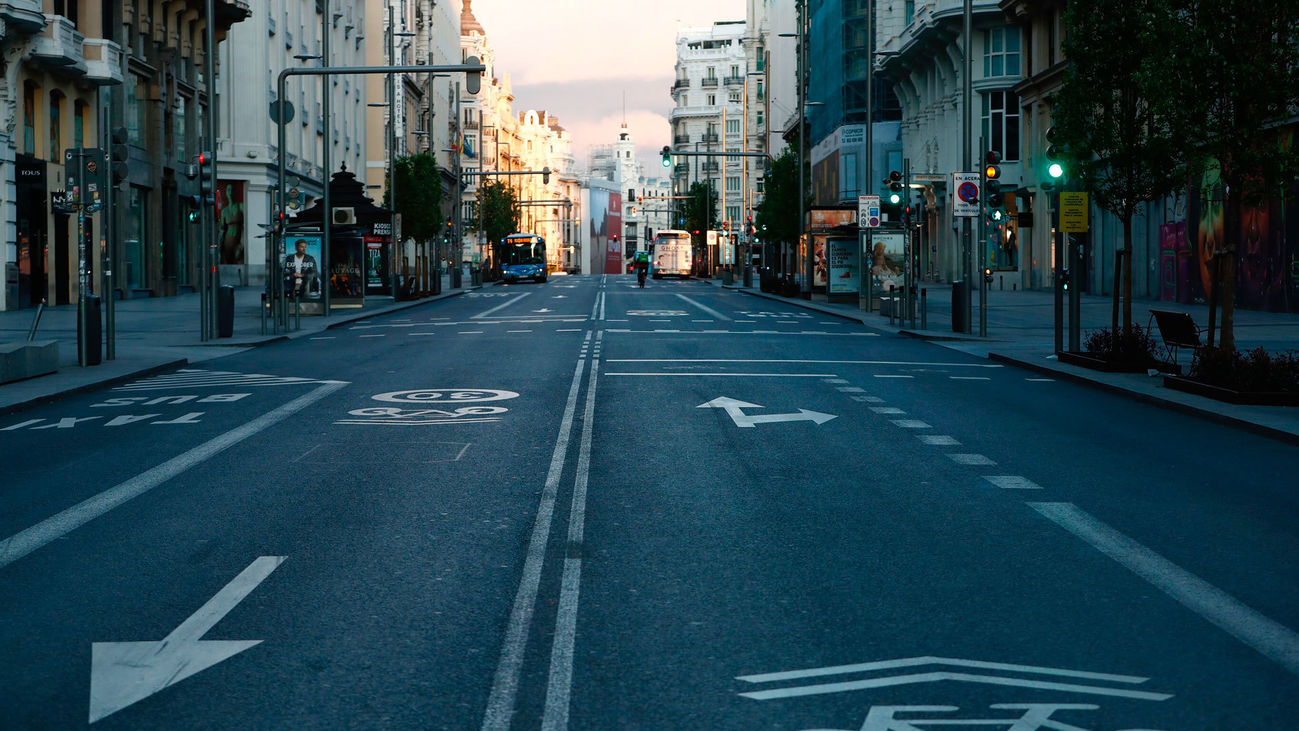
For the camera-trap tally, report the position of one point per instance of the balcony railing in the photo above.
(711, 166)
(710, 137)
(682, 84)
(60, 45)
(681, 168)
(733, 80)
(103, 61)
(709, 81)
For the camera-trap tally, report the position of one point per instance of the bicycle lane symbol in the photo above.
(1032, 716)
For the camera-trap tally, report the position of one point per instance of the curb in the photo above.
(122, 378)
(1188, 409)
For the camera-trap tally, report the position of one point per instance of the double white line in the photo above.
(505, 684)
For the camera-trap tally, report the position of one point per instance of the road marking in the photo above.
(836, 380)
(887, 410)
(888, 375)
(1040, 380)
(969, 378)
(569, 330)
(506, 303)
(196, 378)
(518, 331)
(372, 336)
(703, 321)
(724, 375)
(470, 332)
(560, 683)
(851, 389)
(1273, 640)
(122, 673)
(869, 399)
(911, 424)
(971, 459)
(505, 683)
(24, 542)
(324, 337)
(705, 308)
(795, 360)
(1012, 482)
(938, 440)
(734, 409)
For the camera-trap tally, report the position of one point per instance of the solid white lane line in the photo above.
(559, 686)
(502, 305)
(1012, 482)
(883, 375)
(470, 332)
(705, 308)
(505, 684)
(1275, 641)
(24, 542)
(796, 360)
(723, 375)
(518, 331)
(969, 378)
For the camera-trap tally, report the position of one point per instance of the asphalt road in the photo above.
(588, 505)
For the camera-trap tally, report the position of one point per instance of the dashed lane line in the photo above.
(974, 460)
(1012, 482)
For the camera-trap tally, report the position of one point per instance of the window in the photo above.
(760, 58)
(733, 213)
(759, 119)
(910, 10)
(735, 72)
(1001, 123)
(849, 167)
(178, 118)
(732, 158)
(29, 119)
(732, 184)
(711, 74)
(79, 124)
(685, 100)
(759, 91)
(711, 100)
(135, 113)
(1000, 52)
(735, 97)
(732, 126)
(56, 124)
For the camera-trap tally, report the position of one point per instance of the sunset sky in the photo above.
(577, 58)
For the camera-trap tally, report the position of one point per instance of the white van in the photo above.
(670, 254)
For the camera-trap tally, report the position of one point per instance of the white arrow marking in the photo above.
(543, 309)
(734, 409)
(122, 673)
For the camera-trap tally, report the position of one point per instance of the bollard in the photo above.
(31, 334)
(893, 304)
(924, 309)
(297, 312)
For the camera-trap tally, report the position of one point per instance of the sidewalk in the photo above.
(1020, 332)
(156, 333)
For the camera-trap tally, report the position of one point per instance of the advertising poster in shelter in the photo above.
(842, 257)
(346, 258)
(376, 264)
(230, 220)
(302, 265)
(887, 260)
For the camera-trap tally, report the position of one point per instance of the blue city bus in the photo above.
(523, 256)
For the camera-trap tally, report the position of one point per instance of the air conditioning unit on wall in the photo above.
(344, 216)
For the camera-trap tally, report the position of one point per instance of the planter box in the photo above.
(1248, 398)
(1096, 363)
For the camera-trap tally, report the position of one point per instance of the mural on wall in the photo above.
(1267, 252)
(604, 221)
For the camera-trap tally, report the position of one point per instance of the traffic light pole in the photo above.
(967, 36)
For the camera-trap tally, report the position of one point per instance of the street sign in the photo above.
(868, 211)
(966, 202)
(1073, 212)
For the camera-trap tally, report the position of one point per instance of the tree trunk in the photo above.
(1227, 261)
(1118, 280)
(1127, 272)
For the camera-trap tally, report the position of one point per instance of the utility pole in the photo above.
(392, 147)
(326, 162)
(809, 260)
(967, 160)
(209, 256)
(864, 303)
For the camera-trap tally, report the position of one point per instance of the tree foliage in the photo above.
(777, 217)
(419, 196)
(498, 207)
(700, 209)
(1115, 117)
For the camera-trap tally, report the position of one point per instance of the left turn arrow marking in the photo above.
(122, 673)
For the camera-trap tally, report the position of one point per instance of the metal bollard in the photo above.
(297, 312)
(31, 334)
(893, 303)
(924, 309)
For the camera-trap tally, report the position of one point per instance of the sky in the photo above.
(577, 59)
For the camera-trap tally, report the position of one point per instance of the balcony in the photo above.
(103, 61)
(681, 140)
(681, 84)
(711, 166)
(733, 81)
(22, 16)
(710, 137)
(709, 81)
(59, 46)
(681, 168)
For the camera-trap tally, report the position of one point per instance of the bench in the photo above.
(1178, 330)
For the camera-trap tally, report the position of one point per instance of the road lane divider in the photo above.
(24, 542)
(505, 683)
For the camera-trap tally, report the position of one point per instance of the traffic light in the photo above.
(1054, 167)
(545, 176)
(667, 156)
(991, 179)
(894, 183)
(473, 79)
(194, 204)
(120, 166)
(206, 185)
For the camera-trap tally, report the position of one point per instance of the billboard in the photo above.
(603, 224)
(230, 216)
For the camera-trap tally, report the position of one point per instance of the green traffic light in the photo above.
(1055, 170)
(895, 199)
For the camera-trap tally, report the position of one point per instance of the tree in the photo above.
(1236, 82)
(419, 196)
(498, 207)
(777, 216)
(700, 209)
(1113, 117)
